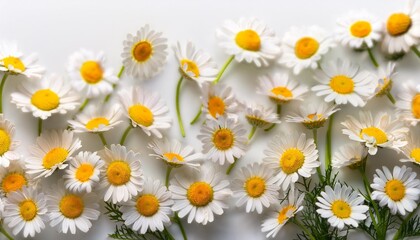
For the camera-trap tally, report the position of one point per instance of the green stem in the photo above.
(278, 113)
(3, 81)
(178, 110)
(165, 230)
(178, 221)
(197, 116)
(102, 137)
(124, 136)
(367, 188)
(372, 57)
(390, 97)
(168, 173)
(416, 51)
(5, 233)
(231, 166)
(39, 126)
(251, 134)
(318, 169)
(85, 103)
(328, 145)
(114, 85)
(298, 223)
(222, 70)
(397, 234)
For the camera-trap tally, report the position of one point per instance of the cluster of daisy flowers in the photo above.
(288, 184)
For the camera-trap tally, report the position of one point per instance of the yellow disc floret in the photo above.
(141, 115)
(5, 142)
(306, 47)
(171, 155)
(142, 51)
(216, 106)
(13, 63)
(291, 160)
(415, 154)
(84, 172)
(282, 91)
(361, 29)
(71, 206)
(200, 194)
(248, 40)
(255, 186)
(91, 72)
(147, 205)
(28, 210)
(375, 132)
(284, 213)
(191, 67)
(415, 106)
(223, 139)
(395, 190)
(13, 182)
(96, 122)
(342, 84)
(341, 209)
(45, 100)
(118, 173)
(398, 24)
(54, 157)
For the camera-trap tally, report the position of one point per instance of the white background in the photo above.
(55, 29)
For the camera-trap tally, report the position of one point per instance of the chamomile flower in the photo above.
(123, 174)
(219, 100)
(250, 40)
(84, 172)
(8, 144)
(14, 178)
(385, 77)
(254, 186)
(261, 117)
(144, 54)
(280, 88)
(341, 206)
(52, 150)
(49, 96)
(373, 133)
(291, 157)
(145, 110)
(174, 154)
(200, 195)
(349, 155)
(25, 211)
(97, 119)
(304, 47)
(313, 115)
(223, 140)
(343, 82)
(13, 61)
(408, 103)
(399, 190)
(412, 150)
(150, 210)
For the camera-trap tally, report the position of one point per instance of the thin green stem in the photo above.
(397, 234)
(362, 169)
(178, 110)
(124, 136)
(222, 70)
(165, 230)
(102, 137)
(85, 103)
(231, 166)
(3, 81)
(318, 169)
(181, 227)
(328, 144)
(251, 134)
(416, 51)
(197, 116)
(390, 97)
(372, 57)
(39, 126)
(114, 85)
(5, 233)
(299, 224)
(168, 174)
(274, 124)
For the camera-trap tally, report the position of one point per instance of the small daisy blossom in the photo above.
(412, 150)
(8, 144)
(97, 119)
(373, 133)
(408, 103)
(281, 88)
(399, 190)
(385, 77)
(349, 155)
(174, 154)
(219, 100)
(313, 115)
(260, 117)
(14, 178)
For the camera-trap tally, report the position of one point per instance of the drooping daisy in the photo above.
(145, 110)
(261, 117)
(25, 211)
(291, 157)
(385, 77)
(408, 103)
(304, 47)
(150, 210)
(313, 115)
(84, 172)
(174, 154)
(8, 144)
(145, 53)
(223, 139)
(52, 150)
(280, 88)
(342, 82)
(219, 100)
(44, 98)
(89, 74)
(254, 186)
(14, 178)
(201, 195)
(250, 40)
(399, 190)
(97, 119)
(341, 206)
(349, 155)
(373, 133)
(412, 150)
(123, 174)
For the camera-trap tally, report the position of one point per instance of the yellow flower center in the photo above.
(315, 116)
(28, 210)
(84, 172)
(71, 206)
(216, 106)
(291, 160)
(223, 139)
(142, 51)
(147, 205)
(415, 154)
(342, 84)
(306, 47)
(13, 182)
(191, 67)
(341, 209)
(248, 40)
(96, 122)
(91, 72)
(118, 173)
(45, 100)
(54, 157)
(375, 132)
(398, 24)
(283, 214)
(415, 105)
(255, 186)
(200, 194)
(14, 62)
(360, 29)
(4, 142)
(170, 156)
(282, 91)
(395, 189)
(141, 115)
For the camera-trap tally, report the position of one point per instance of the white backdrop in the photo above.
(55, 29)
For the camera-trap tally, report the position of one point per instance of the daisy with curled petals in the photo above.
(8, 145)
(291, 157)
(219, 100)
(97, 119)
(123, 174)
(412, 150)
(150, 210)
(385, 77)
(84, 172)
(341, 206)
(343, 82)
(313, 115)
(408, 103)
(399, 190)
(200, 195)
(144, 54)
(52, 150)
(14, 178)
(304, 47)
(350, 155)
(373, 133)
(259, 116)
(254, 186)
(25, 211)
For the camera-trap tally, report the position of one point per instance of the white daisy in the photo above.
(52, 150)
(150, 210)
(291, 157)
(145, 53)
(174, 154)
(385, 77)
(123, 174)
(219, 100)
(342, 82)
(97, 119)
(250, 40)
(304, 47)
(408, 103)
(373, 133)
(200, 195)
(261, 117)
(145, 110)
(399, 190)
(341, 206)
(84, 172)
(14, 178)
(313, 115)
(349, 155)
(8, 144)
(44, 98)
(412, 149)
(280, 88)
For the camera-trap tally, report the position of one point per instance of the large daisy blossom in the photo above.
(219, 100)
(174, 154)
(97, 119)
(8, 144)
(349, 155)
(261, 117)
(313, 115)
